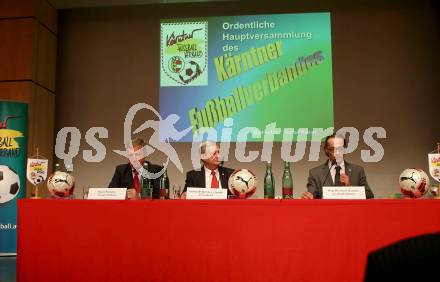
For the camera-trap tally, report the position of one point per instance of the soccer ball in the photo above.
(9, 184)
(39, 179)
(242, 183)
(36, 178)
(414, 182)
(190, 72)
(61, 184)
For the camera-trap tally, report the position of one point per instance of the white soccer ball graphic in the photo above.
(414, 182)
(190, 72)
(242, 183)
(61, 184)
(9, 184)
(36, 178)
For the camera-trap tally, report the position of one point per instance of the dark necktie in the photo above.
(214, 182)
(136, 182)
(338, 176)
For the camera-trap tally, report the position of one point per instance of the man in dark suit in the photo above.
(126, 175)
(211, 171)
(335, 171)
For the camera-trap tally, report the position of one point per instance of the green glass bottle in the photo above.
(269, 183)
(57, 167)
(165, 186)
(287, 182)
(69, 170)
(146, 189)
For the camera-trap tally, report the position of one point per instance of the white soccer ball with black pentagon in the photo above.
(414, 182)
(9, 184)
(61, 184)
(242, 183)
(36, 178)
(39, 179)
(190, 72)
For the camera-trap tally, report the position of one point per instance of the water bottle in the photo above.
(287, 182)
(146, 189)
(164, 186)
(269, 183)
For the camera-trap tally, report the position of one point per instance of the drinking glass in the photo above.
(176, 191)
(85, 192)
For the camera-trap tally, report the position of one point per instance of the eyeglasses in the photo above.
(336, 150)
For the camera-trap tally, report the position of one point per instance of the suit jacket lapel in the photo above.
(223, 178)
(202, 177)
(347, 169)
(128, 175)
(326, 174)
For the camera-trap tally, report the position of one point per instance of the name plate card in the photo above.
(107, 194)
(193, 193)
(344, 192)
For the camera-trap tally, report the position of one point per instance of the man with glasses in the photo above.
(126, 175)
(335, 171)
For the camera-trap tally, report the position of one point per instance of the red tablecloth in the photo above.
(234, 240)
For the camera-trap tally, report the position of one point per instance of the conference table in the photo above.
(215, 240)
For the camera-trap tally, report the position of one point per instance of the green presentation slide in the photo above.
(254, 72)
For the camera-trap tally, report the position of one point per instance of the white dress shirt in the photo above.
(208, 177)
(333, 169)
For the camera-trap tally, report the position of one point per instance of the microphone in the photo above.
(145, 169)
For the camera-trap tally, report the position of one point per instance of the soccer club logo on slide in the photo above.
(184, 54)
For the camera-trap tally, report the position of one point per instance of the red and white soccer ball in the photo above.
(242, 183)
(9, 184)
(61, 184)
(414, 182)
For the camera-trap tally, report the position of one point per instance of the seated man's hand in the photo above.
(183, 196)
(307, 195)
(132, 194)
(345, 179)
